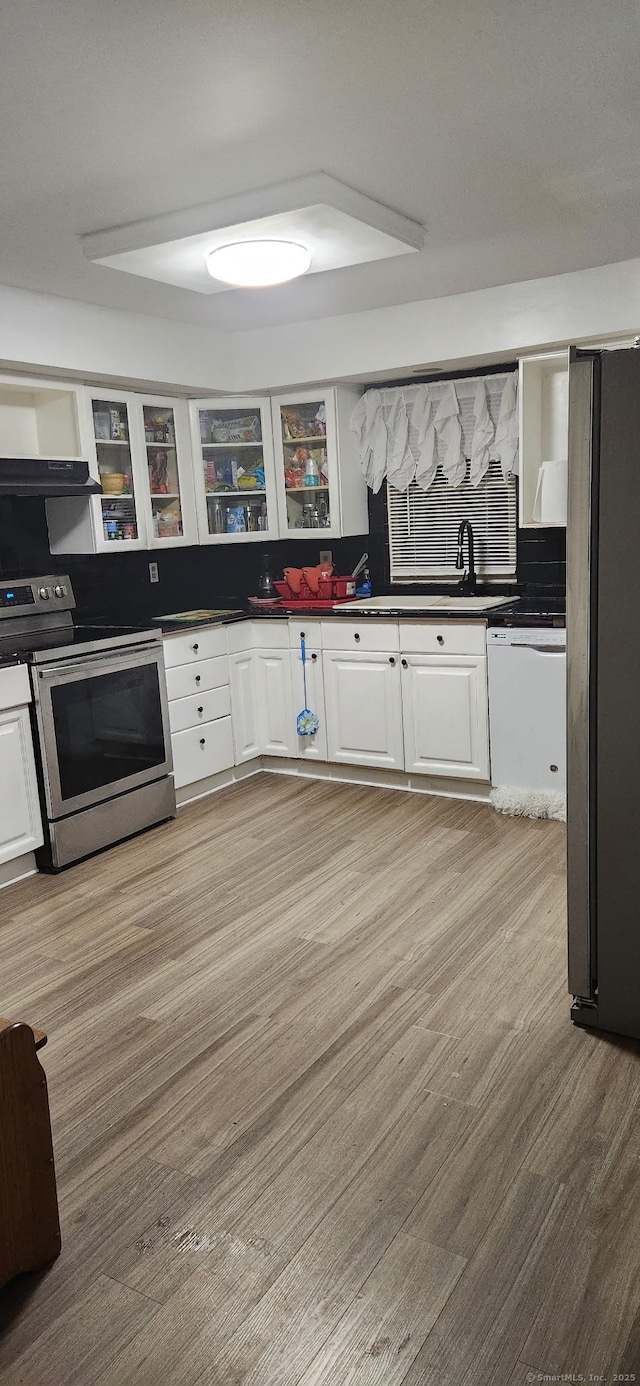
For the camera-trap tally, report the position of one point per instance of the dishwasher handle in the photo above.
(539, 649)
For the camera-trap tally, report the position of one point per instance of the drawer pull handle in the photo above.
(198, 677)
(356, 637)
(314, 657)
(195, 647)
(404, 663)
(201, 710)
(440, 639)
(391, 659)
(202, 740)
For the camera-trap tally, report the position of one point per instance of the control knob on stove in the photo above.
(59, 590)
(44, 593)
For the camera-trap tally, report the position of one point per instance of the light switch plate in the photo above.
(326, 556)
(153, 573)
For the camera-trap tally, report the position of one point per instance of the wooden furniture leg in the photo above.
(29, 1223)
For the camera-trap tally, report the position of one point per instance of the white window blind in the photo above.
(423, 527)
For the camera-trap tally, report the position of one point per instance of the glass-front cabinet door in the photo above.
(304, 431)
(168, 487)
(119, 518)
(234, 470)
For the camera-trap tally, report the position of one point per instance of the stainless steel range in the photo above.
(101, 720)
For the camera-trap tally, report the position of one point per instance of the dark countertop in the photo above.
(521, 611)
(8, 659)
(221, 618)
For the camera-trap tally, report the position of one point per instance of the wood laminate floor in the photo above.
(319, 1114)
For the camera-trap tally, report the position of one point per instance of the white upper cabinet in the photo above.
(40, 418)
(139, 452)
(167, 490)
(544, 439)
(320, 482)
(233, 470)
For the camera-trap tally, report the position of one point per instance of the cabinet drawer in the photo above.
(202, 751)
(15, 689)
(453, 637)
(198, 644)
(360, 635)
(199, 708)
(197, 677)
(312, 631)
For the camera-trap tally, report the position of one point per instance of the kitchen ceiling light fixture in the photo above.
(256, 264)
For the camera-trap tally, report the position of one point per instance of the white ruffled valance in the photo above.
(406, 432)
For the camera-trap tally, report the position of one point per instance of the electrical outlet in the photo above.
(153, 573)
(326, 556)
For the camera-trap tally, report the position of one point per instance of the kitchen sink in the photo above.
(427, 603)
(471, 603)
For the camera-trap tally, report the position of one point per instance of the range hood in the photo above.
(42, 476)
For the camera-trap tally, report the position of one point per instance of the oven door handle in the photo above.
(112, 660)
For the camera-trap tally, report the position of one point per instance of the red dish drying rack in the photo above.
(330, 591)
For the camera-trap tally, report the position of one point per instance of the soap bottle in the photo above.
(365, 588)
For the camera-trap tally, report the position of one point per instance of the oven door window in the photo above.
(108, 727)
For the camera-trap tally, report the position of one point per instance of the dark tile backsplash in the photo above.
(118, 585)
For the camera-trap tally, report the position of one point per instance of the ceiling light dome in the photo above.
(254, 264)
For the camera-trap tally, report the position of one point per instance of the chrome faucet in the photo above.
(467, 583)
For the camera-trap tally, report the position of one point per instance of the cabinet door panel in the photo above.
(244, 706)
(363, 708)
(445, 715)
(20, 822)
(234, 470)
(310, 747)
(276, 721)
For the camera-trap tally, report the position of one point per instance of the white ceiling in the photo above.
(511, 129)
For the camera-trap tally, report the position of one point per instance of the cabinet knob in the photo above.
(391, 659)
(554, 768)
(314, 657)
(356, 637)
(198, 677)
(195, 647)
(202, 740)
(440, 639)
(201, 710)
(404, 663)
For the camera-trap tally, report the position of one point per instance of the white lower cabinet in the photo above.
(309, 747)
(20, 822)
(363, 705)
(276, 721)
(262, 704)
(244, 705)
(445, 715)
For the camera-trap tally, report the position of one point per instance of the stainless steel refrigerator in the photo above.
(603, 648)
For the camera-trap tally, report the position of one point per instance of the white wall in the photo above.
(40, 331)
(58, 334)
(499, 322)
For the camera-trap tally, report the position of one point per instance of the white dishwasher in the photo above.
(527, 708)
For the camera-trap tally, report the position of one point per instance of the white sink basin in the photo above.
(430, 603)
(471, 603)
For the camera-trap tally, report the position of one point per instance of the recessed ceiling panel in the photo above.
(341, 227)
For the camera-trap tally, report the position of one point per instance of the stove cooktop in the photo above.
(27, 646)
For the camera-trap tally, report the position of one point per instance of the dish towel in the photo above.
(401, 467)
(506, 444)
(483, 436)
(448, 428)
(422, 419)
